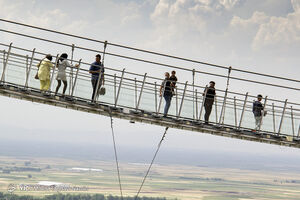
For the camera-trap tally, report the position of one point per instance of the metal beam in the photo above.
(141, 92)
(76, 77)
(193, 72)
(274, 121)
(282, 117)
(216, 109)
(119, 89)
(155, 93)
(196, 103)
(53, 72)
(202, 105)
(292, 119)
(71, 71)
(242, 114)
(135, 93)
(181, 104)
(235, 112)
(30, 66)
(5, 63)
(161, 95)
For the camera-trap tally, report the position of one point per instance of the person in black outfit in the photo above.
(166, 92)
(209, 95)
(257, 110)
(173, 79)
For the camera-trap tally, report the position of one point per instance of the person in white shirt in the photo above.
(62, 65)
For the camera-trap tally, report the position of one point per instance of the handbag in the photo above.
(102, 91)
(37, 73)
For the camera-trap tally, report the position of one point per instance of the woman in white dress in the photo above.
(62, 65)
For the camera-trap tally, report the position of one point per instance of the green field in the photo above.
(171, 181)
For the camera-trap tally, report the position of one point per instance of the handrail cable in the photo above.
(131, 73)
(150, 52)
(158, 147)
(151, 62)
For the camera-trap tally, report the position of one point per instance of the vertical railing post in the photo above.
(274, 122)
(282, 117)
(155, 90)
(176, 99)
(141, 92)
(160, 99)
(202, 105)
(76, 77)
(181, 104)
(119, 89)
(3, 61)
(193, 93)
(71, 70)
(265, 103)
(4, 53)
(115, 87)
(30, 66)
(242, 114)
(216, 108)
(27, 66)
(235, 113)
(196, 102)
(135, 92)
(53, 72)
(298, 131)
(5, 64)
(223, 109)
(292, 119)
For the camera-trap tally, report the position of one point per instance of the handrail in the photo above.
(147, 51)
(151, 62)
(150, 77)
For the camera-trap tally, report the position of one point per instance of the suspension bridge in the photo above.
(135, 97)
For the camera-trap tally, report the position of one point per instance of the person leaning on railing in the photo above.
(166, 92)
(44, 73)
(62, 65)
(209, 95)
(258, 111)
(173, 79)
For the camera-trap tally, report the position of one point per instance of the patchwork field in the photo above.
(171, 181)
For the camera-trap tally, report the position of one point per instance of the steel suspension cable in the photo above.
(151, 62)
(115, 151)
(158, 147)
(147, 51)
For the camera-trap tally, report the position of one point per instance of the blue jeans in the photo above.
(168, 99)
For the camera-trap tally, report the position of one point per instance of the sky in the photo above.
(261, 36)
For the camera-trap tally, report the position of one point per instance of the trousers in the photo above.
(208, 103)
(45, 84)
(258, 121)
(94, 84)
(168, 99)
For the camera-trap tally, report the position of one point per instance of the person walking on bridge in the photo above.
(257, 110)
(166, 92)
(44, 73)
(209, 97)
(97, 69)
(62, 65)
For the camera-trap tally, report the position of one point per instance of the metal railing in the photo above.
(140, 92)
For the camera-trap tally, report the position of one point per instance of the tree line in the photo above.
(59, 196)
